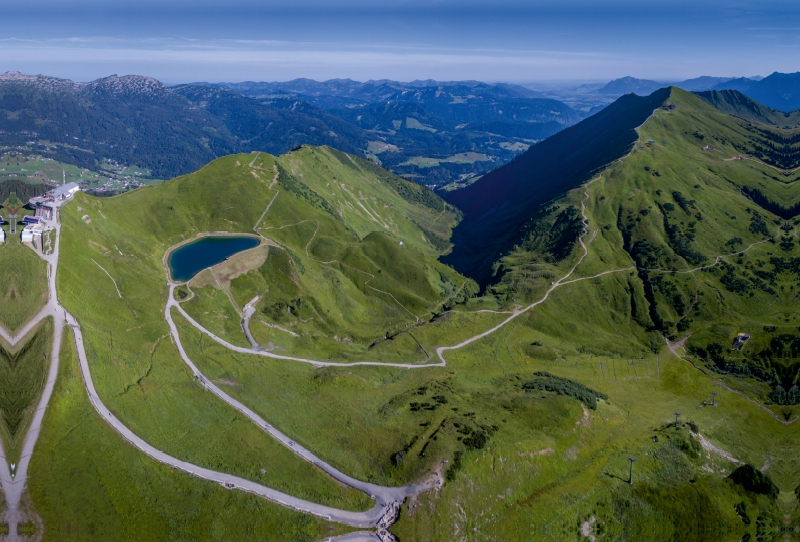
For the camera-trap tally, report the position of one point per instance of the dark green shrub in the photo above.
(754, 481)
(741, 509)
(564, 386)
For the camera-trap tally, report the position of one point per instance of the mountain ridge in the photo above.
(499, 204)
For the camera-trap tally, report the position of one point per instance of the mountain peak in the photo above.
(628, 84)
(126, 84)
(777, 90)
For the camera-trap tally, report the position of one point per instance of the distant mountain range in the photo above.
(434, 133)
(431, 131)
(336, 93)
(642, 87)
(779, 90)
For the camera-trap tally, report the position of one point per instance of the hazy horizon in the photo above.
(178, 41)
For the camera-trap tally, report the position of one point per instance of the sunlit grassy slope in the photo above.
(23, 283)
(87, 483)
(350, 263)
(668, 208)
(135, 365)
(23, 371)
(656, 217)
(524, 455)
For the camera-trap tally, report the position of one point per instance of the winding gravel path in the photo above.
(13, 487)
(383, 514)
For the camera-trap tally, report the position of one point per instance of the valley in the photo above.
(123, 132)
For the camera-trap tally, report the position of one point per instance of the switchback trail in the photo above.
(381, 516)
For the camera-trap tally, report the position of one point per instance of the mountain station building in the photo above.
(42, 207)
(62, 192)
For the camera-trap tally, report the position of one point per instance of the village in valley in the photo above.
(109, 177)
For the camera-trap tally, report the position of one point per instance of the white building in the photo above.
(31, 232)
(64, 191)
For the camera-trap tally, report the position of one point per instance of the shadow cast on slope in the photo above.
(497, 206)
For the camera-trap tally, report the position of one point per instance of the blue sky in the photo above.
(505, 40)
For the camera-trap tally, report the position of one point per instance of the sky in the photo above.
(178, 41)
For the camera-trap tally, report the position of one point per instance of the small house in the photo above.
(31, 232)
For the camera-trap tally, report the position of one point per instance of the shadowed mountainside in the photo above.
(779, 90)
(499, 204)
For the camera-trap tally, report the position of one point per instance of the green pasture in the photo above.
(87, 483)
(23, 282)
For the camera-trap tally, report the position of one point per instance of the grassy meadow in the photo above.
(23, 373)
(510, 423)
(86, 483)
(23, 283)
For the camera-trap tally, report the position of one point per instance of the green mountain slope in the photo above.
(497, 205)
(111, 491)
(735, 103)
(710, 232)
(527, 427)
(23, 282)
(360, 245)
(680, 257)
(339, 228)
(346, 269)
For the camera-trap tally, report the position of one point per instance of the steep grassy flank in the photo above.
(354, 261)
(368, 198)
(87, 483)
(735, 103)
(23, 283)
(497, 205)
(350, 261)
(666, 210)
